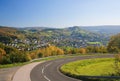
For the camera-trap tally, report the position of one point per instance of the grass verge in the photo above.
(90, 67)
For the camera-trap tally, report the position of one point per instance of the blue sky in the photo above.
(59, 13)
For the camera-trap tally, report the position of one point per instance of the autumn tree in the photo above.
(96, 49)
(2, 53)
(82, 50)
(50, 51)
(114, 44)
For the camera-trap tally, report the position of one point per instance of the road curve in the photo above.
(49, 71)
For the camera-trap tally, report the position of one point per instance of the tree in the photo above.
(114, 44)
(10, 49)
(2, 53)
(50, 51)
(19, 57)
(5, 60)
(82, 50)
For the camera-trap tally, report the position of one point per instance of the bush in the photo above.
(33, 55)
(40, 55)
(82, 50)
(117, 65)
(49, 51)
(6, 60)
(19, 57)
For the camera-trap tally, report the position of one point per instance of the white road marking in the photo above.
(45, 67)
(48, 64)
(42, 70)
(47, 78)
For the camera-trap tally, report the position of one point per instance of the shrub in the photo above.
(82, 50)
(33, 55)
(40, 55)
(6, 60)
(117, 64)
(19, 57)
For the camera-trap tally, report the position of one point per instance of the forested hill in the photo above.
(8, 34)
(7, 31)
(35, 37)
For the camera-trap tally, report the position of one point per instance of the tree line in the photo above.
(10, 54)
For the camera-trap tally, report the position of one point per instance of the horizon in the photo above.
(64, 27)
(59, 14)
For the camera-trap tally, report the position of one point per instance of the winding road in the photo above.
(49, 71)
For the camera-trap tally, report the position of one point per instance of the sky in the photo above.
(59, 13)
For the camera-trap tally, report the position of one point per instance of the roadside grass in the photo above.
(90, 67)
(13, 65)
(97, 69)
(46, 59)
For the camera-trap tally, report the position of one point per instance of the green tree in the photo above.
(5, 60)
(114, 44)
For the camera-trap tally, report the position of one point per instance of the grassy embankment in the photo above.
(90, 67)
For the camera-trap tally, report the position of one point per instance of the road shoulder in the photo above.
(6, 74)
(23, 74)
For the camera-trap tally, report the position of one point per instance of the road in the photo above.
(6, 74)
(49, 71)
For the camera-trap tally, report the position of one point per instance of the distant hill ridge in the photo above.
(107, 29)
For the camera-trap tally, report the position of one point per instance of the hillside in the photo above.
(8, 34)
(7, 31)
(106, 29)
(34, 37)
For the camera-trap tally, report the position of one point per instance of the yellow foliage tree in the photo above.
(2, 53)
(50, 51)
(82, 50)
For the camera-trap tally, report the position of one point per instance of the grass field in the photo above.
(90, 67)
(94, 43)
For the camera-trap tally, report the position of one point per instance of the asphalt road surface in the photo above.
(49, 71)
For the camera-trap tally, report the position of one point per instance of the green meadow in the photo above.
(90, 67)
